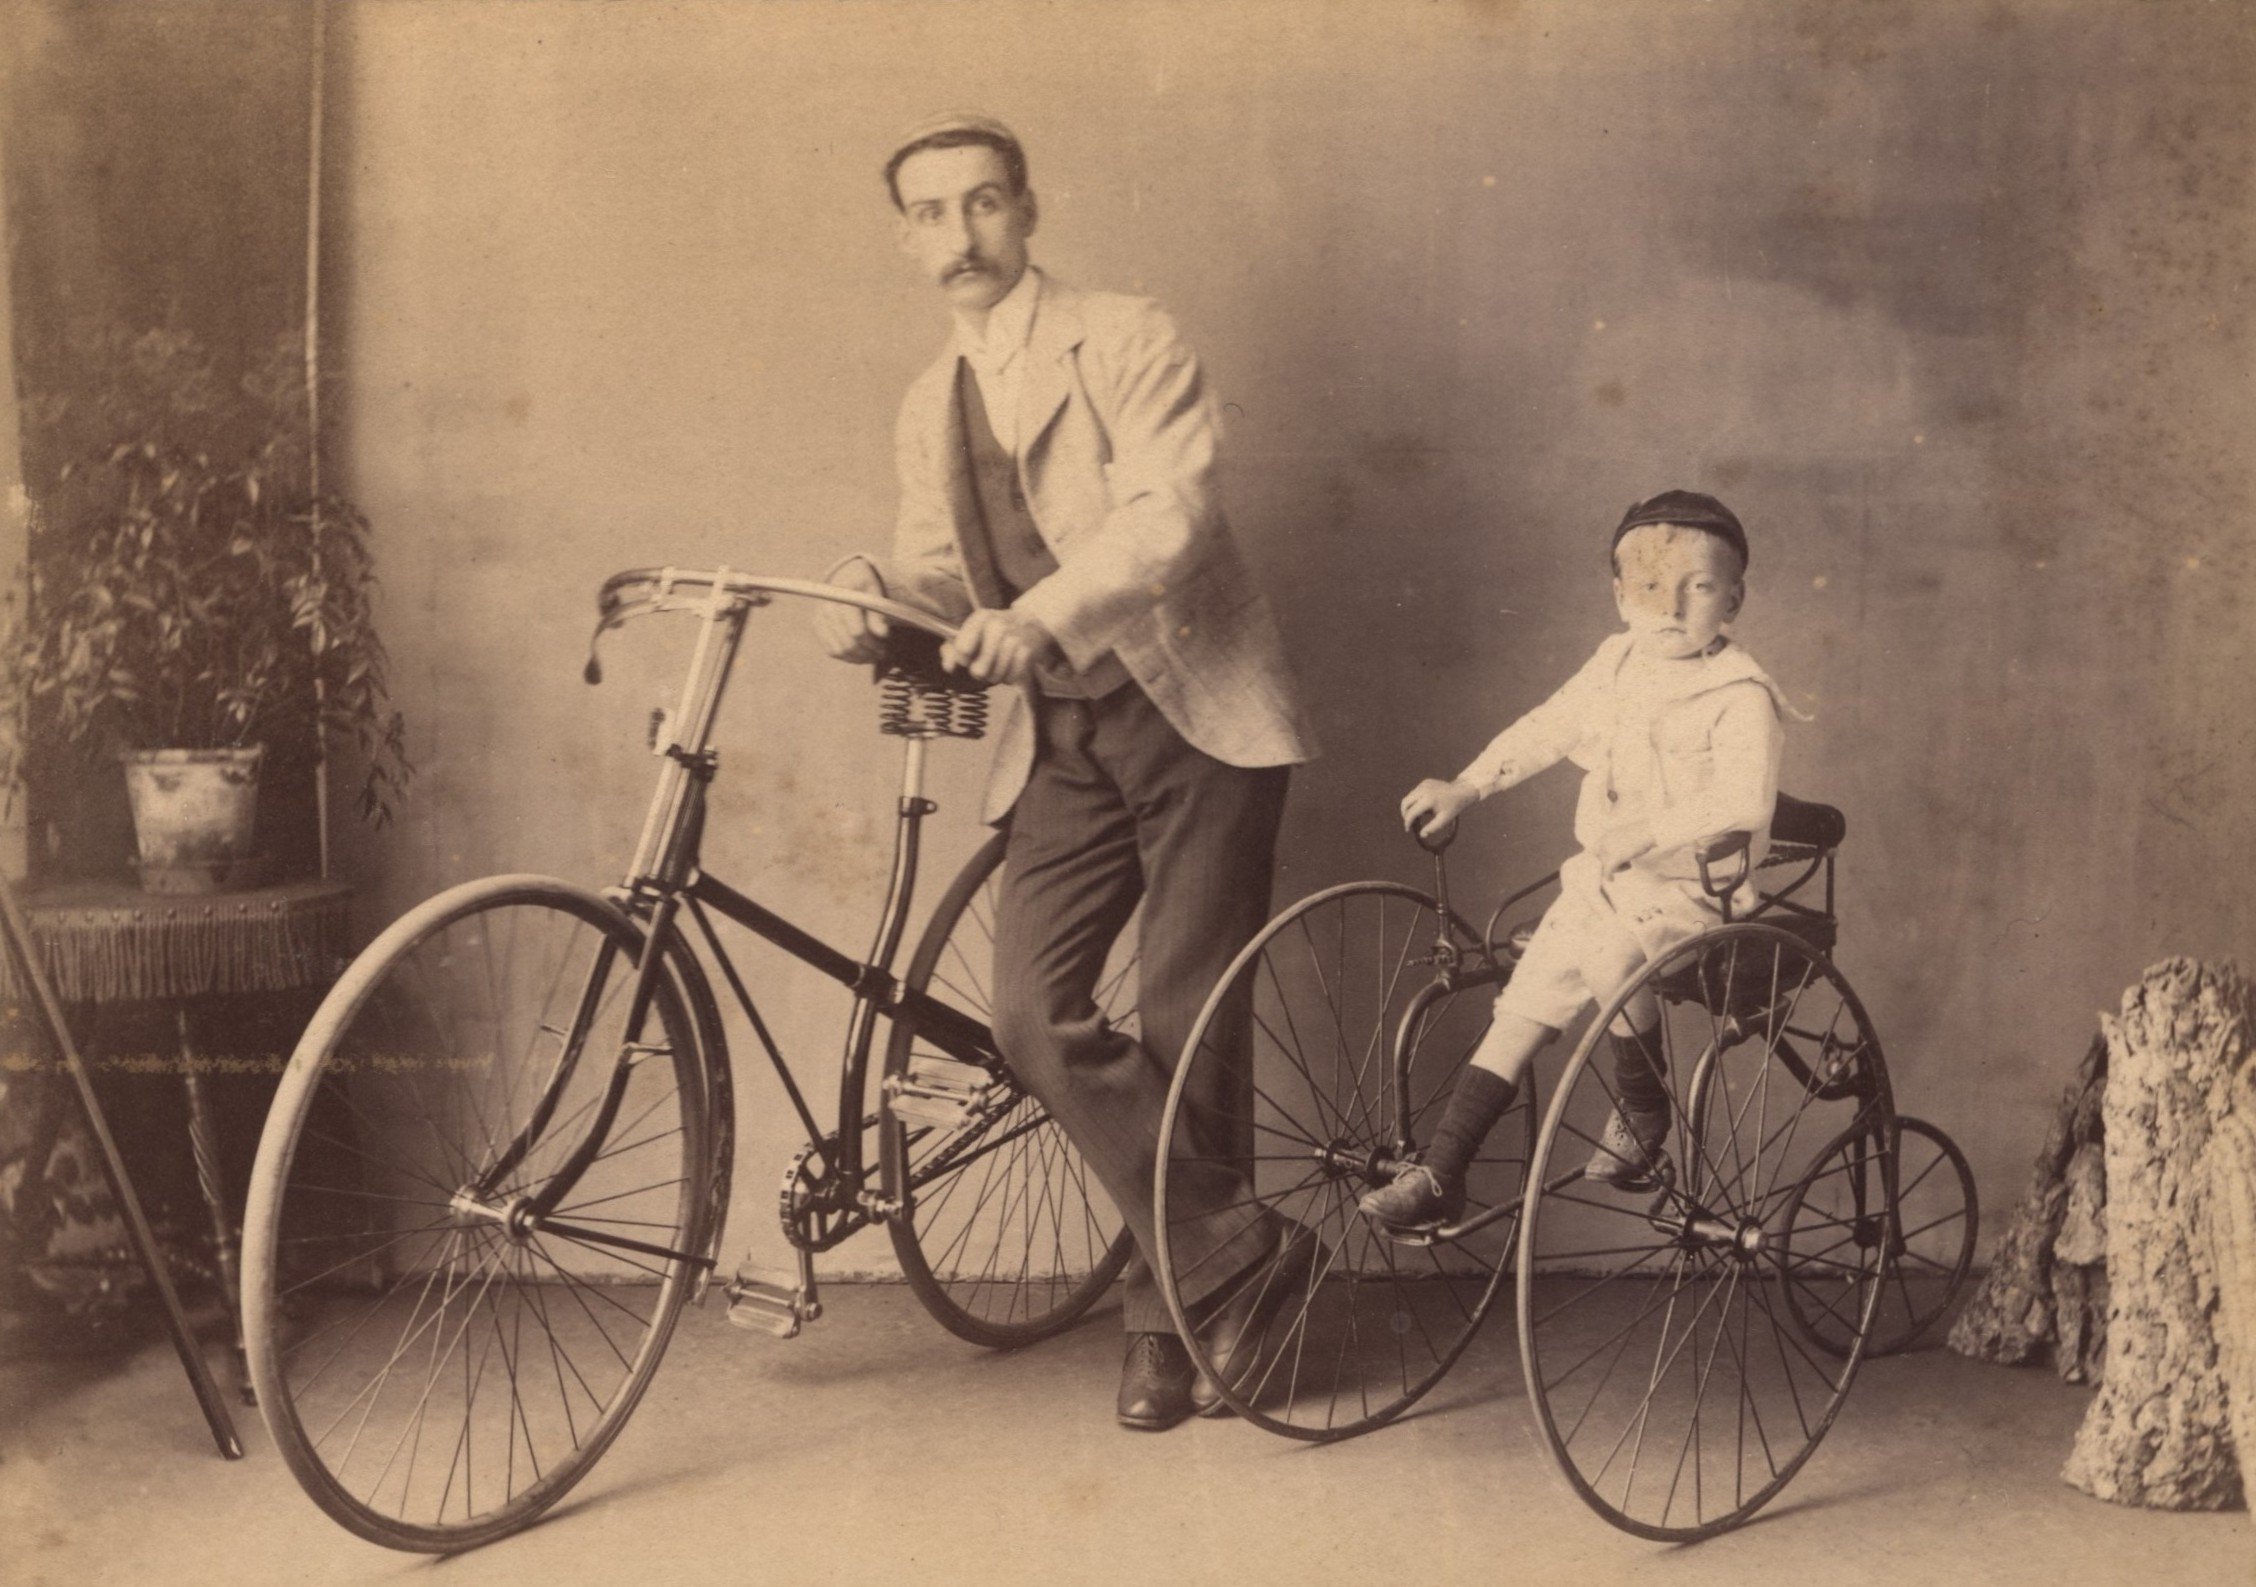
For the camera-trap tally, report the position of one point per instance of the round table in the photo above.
(111, 943)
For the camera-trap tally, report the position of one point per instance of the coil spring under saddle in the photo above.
(919, 698)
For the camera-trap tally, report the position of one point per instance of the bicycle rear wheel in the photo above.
(1003, 1233)
(437, 1364)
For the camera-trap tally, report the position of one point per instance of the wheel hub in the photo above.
(515, 1217)
(1344, 1159)
(1740, 1238)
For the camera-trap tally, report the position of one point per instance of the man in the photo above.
(1058, 499)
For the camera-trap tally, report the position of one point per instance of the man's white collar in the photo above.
(1009, 324)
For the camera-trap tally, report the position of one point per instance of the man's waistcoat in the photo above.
(1003, 551)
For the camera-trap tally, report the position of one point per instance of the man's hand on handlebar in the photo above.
(999, 645)
(1430, 810)
(848, 632)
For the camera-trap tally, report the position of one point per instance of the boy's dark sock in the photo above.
(1640, 1072)
(1476, 1102)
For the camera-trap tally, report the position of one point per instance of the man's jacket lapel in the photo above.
(1057, 331)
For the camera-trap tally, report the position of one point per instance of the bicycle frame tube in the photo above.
(666, 872)
(871, 979)
(900, 889)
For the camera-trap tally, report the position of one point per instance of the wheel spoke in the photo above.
(1320, 1114)
(439, 1367)
(1643, 1310)
(1005, 1239)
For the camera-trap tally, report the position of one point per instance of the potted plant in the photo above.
(190, 599)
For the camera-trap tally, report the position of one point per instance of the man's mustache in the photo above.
(964, 267)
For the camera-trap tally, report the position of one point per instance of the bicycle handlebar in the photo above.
(638, 592)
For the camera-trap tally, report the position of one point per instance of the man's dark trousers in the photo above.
(1120, 808)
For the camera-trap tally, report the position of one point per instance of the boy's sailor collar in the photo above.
(1726, 664)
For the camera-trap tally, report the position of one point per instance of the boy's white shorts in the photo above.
(1596, 935)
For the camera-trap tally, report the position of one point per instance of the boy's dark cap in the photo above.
(1687, 509)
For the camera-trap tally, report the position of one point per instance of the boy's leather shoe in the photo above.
(1415, 1199)
(1629, 1155)
(1233, 1331)
(1155, 1383)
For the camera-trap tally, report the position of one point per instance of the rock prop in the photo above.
(2180, 1095)
(2131, 1261)
(2045, 1295)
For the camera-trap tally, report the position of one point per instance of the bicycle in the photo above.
(1712, 1311)
(499, 1161)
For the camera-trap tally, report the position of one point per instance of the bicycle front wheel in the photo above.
(438, 1361)
(1003, 1232)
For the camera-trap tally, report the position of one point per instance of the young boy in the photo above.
(1678, 732)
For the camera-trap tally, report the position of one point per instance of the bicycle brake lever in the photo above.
(592, 672)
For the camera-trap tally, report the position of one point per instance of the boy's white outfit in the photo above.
(1677, 750)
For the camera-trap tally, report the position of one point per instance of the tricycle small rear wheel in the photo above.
(1835, 1245)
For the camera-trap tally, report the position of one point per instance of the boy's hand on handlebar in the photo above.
(848, 632)
(1430, 810)
(999, 645)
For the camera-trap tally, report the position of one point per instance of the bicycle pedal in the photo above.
(770, 1301)
(938, 1092)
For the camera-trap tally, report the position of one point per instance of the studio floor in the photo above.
(876, 1449)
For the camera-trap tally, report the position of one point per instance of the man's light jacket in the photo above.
(1117, 457)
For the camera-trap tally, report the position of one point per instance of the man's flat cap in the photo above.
(951, 121)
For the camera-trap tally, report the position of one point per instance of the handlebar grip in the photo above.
(1425, 838)
(1723, 847)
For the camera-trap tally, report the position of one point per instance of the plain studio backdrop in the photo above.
(1948, 301)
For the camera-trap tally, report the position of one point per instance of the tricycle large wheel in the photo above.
(1670, 1386)
(1318, 1063)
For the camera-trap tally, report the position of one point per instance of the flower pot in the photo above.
(193, 815)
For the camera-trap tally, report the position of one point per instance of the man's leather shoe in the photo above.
(1233, 1331)
(1155, 1383)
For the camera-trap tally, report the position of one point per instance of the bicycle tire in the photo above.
(1833, 1239)
(393, 1324)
